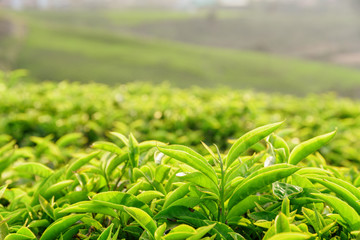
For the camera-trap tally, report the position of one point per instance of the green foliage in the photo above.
(149, 190)
(97, 48)
(70, 117)
(266, 185)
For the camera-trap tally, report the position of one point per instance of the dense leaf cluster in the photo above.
(182, 116)
(151, 190)
(266, 184)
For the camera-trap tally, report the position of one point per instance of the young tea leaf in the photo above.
(252, 184)
(341, 207)
(143, 219)
(249, 139)
(291, 236)
(59, 226)
(34, 168)
(106, 234)
(306, 148)
(284, 190)
(191, 158)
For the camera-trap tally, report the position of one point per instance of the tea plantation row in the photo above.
(150, 190)
(182, 116)
(292, 179)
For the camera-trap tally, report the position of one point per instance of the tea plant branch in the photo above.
(221, 213)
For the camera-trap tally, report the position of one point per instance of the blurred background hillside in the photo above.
(286, 46)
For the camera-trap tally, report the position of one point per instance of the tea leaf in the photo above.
(79, 163)
(281, 223)
(341, 191)
(304, 149)
(121, 137)
(59, 226)
(344, 209)
(247, 204)
(106, 234)
(178, 193)
(143, 219)
(284, 190)
(34, 168)
(56, 188)
(119, 199)
(291, 236)
(107, 146)
(191, 158)
(148, 196)
(249, 139)
(199, 179)
(160, 232)
(89, 207)
(200, 232)
(255, 182)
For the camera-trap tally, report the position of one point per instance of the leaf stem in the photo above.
(221, 213)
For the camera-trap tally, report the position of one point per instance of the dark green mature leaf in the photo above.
(59, 226)
(249, 139)
(306, 148)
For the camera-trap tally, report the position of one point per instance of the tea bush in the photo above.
(151, 190)
(291, 179)
(182, 116)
